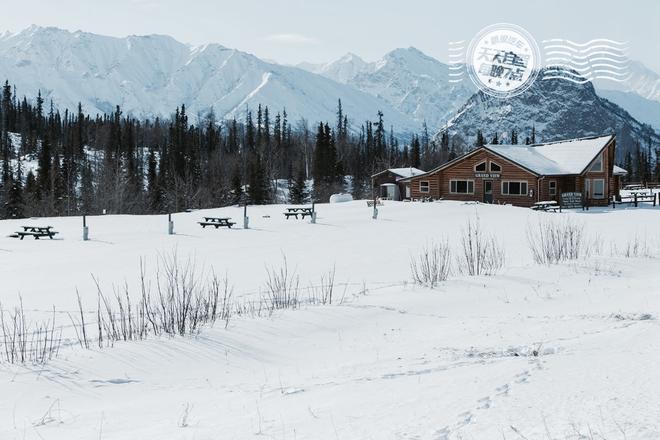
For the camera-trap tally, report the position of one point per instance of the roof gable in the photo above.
(555, 158)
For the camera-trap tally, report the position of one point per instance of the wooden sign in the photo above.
(571, 200)
(487, 175)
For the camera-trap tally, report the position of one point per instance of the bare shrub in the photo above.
(184, 301)
(432, 265)
(555, 240)
(635, 247)
(282, 287)
(27, 342)
(481, 253)
(323, 293)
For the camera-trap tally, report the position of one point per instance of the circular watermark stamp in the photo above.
(503, 60)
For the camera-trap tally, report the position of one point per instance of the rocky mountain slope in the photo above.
(557, 109)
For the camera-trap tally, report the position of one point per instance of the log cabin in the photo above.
(522, 175)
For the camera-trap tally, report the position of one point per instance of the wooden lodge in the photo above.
(523, 175)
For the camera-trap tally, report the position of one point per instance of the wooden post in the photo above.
(246, 219)
(375, 214)
(170, 224)
(635, 194)
(313, 212)
(85, 229)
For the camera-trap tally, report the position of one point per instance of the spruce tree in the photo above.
(298, 191)
(415, 154)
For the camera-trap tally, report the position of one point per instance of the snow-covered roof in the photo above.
(406, 172)
(618, 171)
(403, 173)
(554, 158)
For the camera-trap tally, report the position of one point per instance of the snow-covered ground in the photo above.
(551, 352)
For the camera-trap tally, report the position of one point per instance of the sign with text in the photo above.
(487, 175)
(571, 200)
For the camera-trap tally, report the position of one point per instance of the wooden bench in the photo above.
(217, 222)
(35, 231)
(295, 212)
(370, 203)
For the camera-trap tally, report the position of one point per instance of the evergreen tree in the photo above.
(415, 153)
(298, 192)
(514, 137)
(236, 185)
(480, 139)
(258, 182)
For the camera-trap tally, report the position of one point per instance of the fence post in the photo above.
(246, 219)
(170, 224)
(635, 200)
(85, 229)
(313, 213)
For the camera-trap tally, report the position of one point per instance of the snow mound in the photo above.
(341, 198)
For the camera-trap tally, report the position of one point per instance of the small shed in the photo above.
(388, 184)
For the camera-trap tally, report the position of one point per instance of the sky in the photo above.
(293, 31)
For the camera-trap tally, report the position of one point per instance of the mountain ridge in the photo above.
(152, 75)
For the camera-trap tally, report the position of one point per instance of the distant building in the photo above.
(389, 184)
(522, 175)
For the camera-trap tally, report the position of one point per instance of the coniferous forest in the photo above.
(73, 163)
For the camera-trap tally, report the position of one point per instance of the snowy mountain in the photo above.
(152, 75)
(641, 81)
(342, 70)
(642, 109)
(558, 109)
(414, 83)
(639, 93)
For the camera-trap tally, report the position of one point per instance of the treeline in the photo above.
(642, 163)
(71, 163)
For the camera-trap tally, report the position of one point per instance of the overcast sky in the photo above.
(291, 31)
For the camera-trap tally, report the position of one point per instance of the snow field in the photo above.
(532, 352)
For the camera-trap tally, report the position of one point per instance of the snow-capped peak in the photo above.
(152, 75)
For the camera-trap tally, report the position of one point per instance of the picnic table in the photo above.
(302, 211)
(217, 222)
(546, 205)
(35, 231)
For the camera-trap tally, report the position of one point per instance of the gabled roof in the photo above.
(554, 158)
(403, 173)
(546, 159)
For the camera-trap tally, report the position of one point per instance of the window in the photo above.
(461, 186)
(424, 186)
(514, 188)
(480, 167)
(598, 188)
(552, 187)
(495, 168)
(597, 165)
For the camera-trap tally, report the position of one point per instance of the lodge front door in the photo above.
(488, 191)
